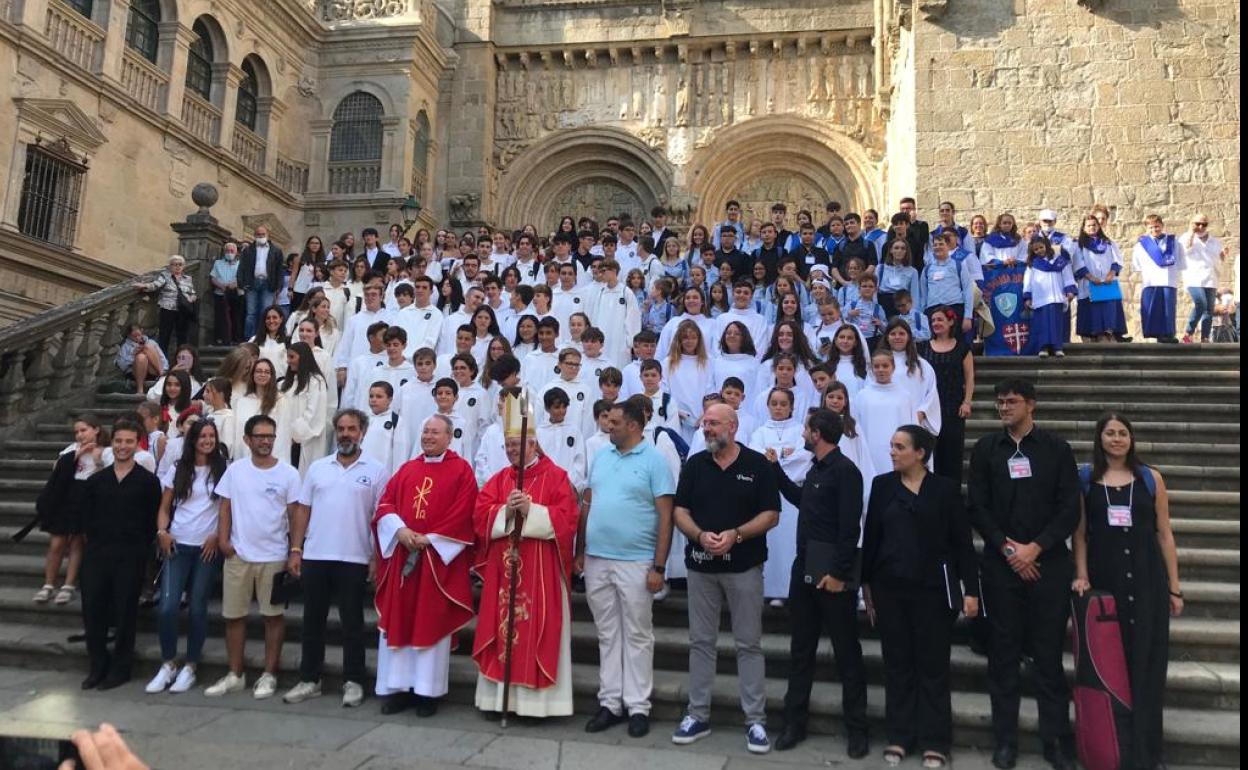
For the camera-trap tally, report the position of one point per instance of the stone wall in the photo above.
(1045, 103)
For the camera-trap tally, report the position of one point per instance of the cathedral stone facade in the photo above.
(323, 116)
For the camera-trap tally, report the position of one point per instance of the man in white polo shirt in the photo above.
(622, 549)
(258, 496)
(332, 552)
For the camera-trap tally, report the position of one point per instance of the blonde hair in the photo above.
(673, 356)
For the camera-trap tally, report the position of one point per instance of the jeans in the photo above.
(1202, 311)
(185, 571)
(259, 298)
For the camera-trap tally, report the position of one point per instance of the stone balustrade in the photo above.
(248, 148)
(354, 177)
(73, 36)
(292, 176)
(143, 81)
(200, 117)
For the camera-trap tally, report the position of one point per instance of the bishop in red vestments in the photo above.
(424, 536)
(541, 673)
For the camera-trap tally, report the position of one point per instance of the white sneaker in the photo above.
(162, 680)
(352, 694)
(185, 680)
(266, 686)
(229, 683)
(299, 693)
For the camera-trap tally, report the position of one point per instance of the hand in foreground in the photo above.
(102, 750)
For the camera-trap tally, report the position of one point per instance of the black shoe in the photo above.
(603, 720)
(638, 726)
(859, 746)
(426, 707)
(1005, 757)
(789, 737)
(394, 704)
(113, 681)
(1056, 756)
(93, 680)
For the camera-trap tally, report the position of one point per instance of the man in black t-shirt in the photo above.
(727, 499)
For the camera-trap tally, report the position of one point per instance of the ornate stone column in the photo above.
(201, 239)
(175, 50)
(318, 174)
(114, 40)
(269, 112)
(225, 80)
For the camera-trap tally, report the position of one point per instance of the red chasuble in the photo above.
(435, 599)
(545, 567)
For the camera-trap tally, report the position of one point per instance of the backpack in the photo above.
(1145, 474)
(682, 447)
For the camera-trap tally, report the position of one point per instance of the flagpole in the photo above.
(513, 552)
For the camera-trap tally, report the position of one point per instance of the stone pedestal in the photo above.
(201, 239)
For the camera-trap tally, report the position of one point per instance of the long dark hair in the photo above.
(848, 423)
(184, 397)
(1100, 463)
(307, 369)
(262, 334)
(801, 346)
(747, 342)
(493, 329)
(184, 466)
(1085, 240)
(857, 356)
(912, 350)
(456, 299)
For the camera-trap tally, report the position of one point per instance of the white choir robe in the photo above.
(743, 366)
(491, 454)
(662, 416)
(1153, 275)
(451, 323)
(760, 329)
(415, 404)
(922, 388)
(248, 407)
(538, 368)
(879, 411)
(676, 554)
(339, 303)
(563, 304)
(330, 339)
(1046, 288)
(354, 340)
(594, 444)
(1097, 265)
(591, 371)
(325, 364)
(667, 337)
(424, 671)
(580, 404)
(229, 430)
(380, 440)
(856, 451)
(307, 426)
(275, 352)
(565, 446)
(845, 374)
(803, 399)
(689, 382)
(423, 327)
(616, 313)
(785, 438)
(475, 404)
(360, 378)
(990, 253)
(397, 376)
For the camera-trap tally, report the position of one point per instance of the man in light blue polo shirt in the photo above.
(622, 549)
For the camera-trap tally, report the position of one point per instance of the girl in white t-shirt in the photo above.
(187, 536)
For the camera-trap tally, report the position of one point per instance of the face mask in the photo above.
(262, 241)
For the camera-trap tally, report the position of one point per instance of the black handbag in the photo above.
(185, 306)
(286, 588)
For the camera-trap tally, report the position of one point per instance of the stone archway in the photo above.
(803, 163)
(592, 171)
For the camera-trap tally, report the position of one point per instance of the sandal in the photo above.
(65, 595)
(44, 594)
(934, 759)
(894, 755)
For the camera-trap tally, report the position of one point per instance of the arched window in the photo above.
(420, 156)
(248, 93)
(143, 28)
(199, 63)
(355, 145)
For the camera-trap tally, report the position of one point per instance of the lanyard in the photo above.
(1130, 495)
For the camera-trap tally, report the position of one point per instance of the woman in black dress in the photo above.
(1124, 545)
(955, 382)
(918, 571)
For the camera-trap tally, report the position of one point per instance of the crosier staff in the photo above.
(513, 545)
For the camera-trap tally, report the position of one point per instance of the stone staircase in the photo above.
(1184, 402)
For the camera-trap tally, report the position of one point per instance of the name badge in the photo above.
(1119, 515)
(810, 259)
(938, 275)
(1020, 468)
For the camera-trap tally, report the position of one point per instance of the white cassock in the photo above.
(275, 352)
(580, 404)
(856, 451)
(382, 371)
(846, 375)
(564, 445)
(451, 323)
(743, 366)
(760, 329)
(596, 443)
(667, 337)
(538, 368)
(756, 406)
(689, 382)
(563, 304)
(475, 405)
(491, 454)
(325, 363)
(922, 386)
(247, 407)
(307, 425)
(424, 671)
(880, 410)
(423, 327)
(676, 554)
(415, 403)
(785, 438)
(615, 312)
(380, 439)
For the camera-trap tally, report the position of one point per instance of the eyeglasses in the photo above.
(263, 437)
(1200, 224)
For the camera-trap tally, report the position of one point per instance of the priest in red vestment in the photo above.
(424, 536)
(541, 659)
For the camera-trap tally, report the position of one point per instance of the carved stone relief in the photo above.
(598, 198)
(765, 189)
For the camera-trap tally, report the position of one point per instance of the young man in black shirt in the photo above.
(726, 501)
(120, 502)
(808, 254)
(829, 514)
(771, 251)
(1024, 501)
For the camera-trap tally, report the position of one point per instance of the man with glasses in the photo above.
(1203, 254)
(258, 499)
(1024, 501)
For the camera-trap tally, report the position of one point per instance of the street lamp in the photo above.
(410, 210)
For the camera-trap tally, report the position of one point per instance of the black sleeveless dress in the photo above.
(1127, 562)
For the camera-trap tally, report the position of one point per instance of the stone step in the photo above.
(1107, 380)
(1177, 477)
(1060, 409)
(1199, 432)
(1143, 348)
(1189, 684)
(1194, 736)
(1206, 533)
(1051, 393)
(1119, 360)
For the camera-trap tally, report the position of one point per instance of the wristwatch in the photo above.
(1009, 551)
(659, 568)
(740, 539)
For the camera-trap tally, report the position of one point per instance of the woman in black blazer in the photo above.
(918, 572)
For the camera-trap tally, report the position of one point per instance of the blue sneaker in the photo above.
(756, 739)
(690, 730)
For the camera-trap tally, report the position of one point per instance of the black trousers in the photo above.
(1028, 618)
(916, 631)
(172, 322)
(950, 446)
(812, 613)
(343, 583)
(110, 598)
(229, 312)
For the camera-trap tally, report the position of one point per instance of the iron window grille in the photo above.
(51, 193)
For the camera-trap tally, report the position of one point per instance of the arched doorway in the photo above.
(596, 172)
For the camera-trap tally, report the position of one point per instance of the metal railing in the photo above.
(73, 36)
(200, 117)
(144, 81)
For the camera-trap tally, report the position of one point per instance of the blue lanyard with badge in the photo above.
(1018, 464)
(1120, 515)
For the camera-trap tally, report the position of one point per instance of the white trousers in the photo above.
(622, 609)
